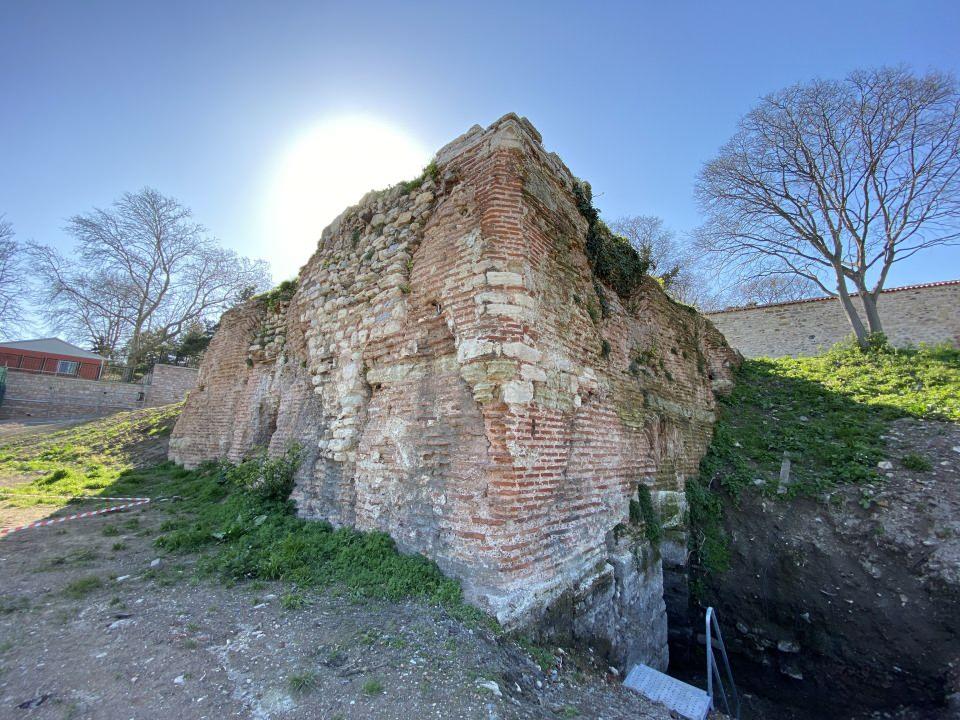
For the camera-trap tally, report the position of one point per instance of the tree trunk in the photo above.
(850, 309)
(133, 354)
(870, 309)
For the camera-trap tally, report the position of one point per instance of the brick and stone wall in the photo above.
(447, 368)
(910, 315)
(30, 395)
(168, 384)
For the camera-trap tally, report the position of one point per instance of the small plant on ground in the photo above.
(303, 682)
(372, 687)
(82, 587)
(267, 478)
(916, 461)
(541, 655)
(292, 601)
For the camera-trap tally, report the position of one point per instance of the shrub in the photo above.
(79, 588)
(916, 461)
(265, 477)
(372, 687)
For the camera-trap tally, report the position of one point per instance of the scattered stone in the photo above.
(885, 465)
(35, 702)
(179, 680)
(156, 563)
(491, 686)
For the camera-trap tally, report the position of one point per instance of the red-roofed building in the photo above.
(51, 356)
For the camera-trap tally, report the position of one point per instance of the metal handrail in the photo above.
(714, 671)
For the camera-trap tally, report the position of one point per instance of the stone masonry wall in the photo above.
(30, 395)
(48, 396)
(169, 384)
(447, 367)
(910, 315)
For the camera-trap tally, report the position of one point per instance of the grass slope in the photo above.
(236, 517)
(827, 413)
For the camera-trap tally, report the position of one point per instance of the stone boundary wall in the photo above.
(31, 395)
(911, 315)
(169, 384)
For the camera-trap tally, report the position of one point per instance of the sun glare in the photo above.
(325, 171)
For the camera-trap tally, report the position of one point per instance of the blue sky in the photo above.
(200, 99)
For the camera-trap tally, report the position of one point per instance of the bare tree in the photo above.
(835, 181)
(667, 258)
(12, 284)
(774, 289)
(144, 266)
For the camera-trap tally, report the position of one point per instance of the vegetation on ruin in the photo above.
(612, 258)
(642, 511)
(280, 294)
(238, 518)
(828, 415)
(430, 172)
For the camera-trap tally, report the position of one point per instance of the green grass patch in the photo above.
(238, 519)
(244, 529)
(250, 537)
(916, 461)
(83, 460)
(293, 601)
(82, 587)
(827, 413)
(372, 687)
(302, 682)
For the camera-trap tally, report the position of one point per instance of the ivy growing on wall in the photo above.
(612, 258)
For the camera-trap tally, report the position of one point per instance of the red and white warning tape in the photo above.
(54, 521)
(11, 496)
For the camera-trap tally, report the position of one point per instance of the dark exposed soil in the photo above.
(850, 606)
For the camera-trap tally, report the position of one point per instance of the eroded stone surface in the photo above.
(445, 365)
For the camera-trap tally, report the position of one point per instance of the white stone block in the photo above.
(475, 347)
(533, 373)
(518, 392)
(504, 278)
(521, 352)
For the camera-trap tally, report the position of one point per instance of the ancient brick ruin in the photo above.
(460, 379)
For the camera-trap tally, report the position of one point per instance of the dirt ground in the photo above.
(96, 623)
